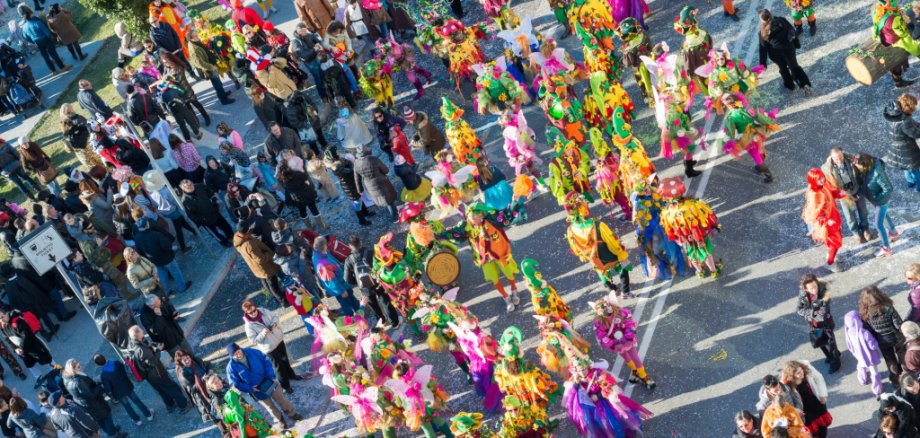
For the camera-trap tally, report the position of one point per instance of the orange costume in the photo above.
(821, 213)
(171, 15)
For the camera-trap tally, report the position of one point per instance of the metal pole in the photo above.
(156, 166)
(78, 292)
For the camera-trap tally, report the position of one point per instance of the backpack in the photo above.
(34, 324)
(52, 381)
(363, 272)
(19, 94)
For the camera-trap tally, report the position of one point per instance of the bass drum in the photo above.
(442, 267)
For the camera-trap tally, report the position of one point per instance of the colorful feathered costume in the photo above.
(238, 414)
(636, 44)
(527, 388)
(399, 57)
(607, 175)
(629, 9)
(496, 90)
(635, 165)
(469, 425)
(661, 258)
(500, 11)
(604, 99)
(615, 329)
(592, 241)
(460, 135)
(452, 185)
(593, 22)
(481, 351)
(560, 345)
(519, 145)
(597, 406)
(821, 212)
(690, 223)
(746, 129)
(462, 48)
(726, 75)
(569, 170)
(420, 239)
(563, 109)
(395, 276)
(799, 9)
(419, 396)
(545, 299)
(436, 313)
(553, 60)
(695, 48)
(377, 81)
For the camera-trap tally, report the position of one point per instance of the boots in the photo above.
(835, 361)
(320, 223)
(765, 171)
(419, 89)
(689, 171)
(624, 284)
(798, 29)
(812, 28)
(465, 367)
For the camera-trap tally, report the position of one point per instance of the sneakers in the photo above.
(515, 298)
(150, 417)
(893, 235)
(509, 305)
(273, 9)
(883, 252)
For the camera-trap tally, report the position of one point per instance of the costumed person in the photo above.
(481, 351)
(635, 165)
(607, 176)
(392, 273)
(171, 13)
(460, 135)
(500, 11)
(469, 425)
(545, 299)
(497, 90)
(593, 22)
(529, 391)
(890, 29)
(563, 109)
(864, 348)
(673, 100)
(462, 49)
(519, 146)
(745, 128)
(726, 75)
(821, 213)
(420, 239)
(399, 57)
(242, 418)
(803, 9)
(660, 257)
(415, 188)
(435, 312)
(636, 44)
(555, 61)
(615, 329)
(420, 397)
(520, 43)
(597, 406)
(561, 10)
(728, 9)
(604, 100)
(592, 241)
(569, 170)
(377, 81)
(690, 223)
(694, 50)
(497, 193)
(452, 184)
(559, 344)
(491, 248)
(626, 9)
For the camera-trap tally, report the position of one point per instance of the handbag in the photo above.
(46, 175)
(818, 337)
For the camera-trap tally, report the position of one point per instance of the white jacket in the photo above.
(255, 331)
(815, 380)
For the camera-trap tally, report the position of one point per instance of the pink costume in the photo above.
(629, 8)
(519, 144)
(608, 184)
(481, 361)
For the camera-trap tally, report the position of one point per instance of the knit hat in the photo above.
(24, 140)
(232, 348)
(408, 113)
(910, 330)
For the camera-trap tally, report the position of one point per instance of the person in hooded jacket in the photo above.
(89, 394)
(815, 306)
(251, 372)
(344, 171)
(201, 206)
(161, 320)
(876, 187)
(890, 427)
(263, 329)
(259, 257)
(371, 178)
(302, 115)
(903, 150)
(113, 376)
(892, 405)
(778, 42)
(146, 359)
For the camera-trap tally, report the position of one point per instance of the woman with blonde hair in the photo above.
(76, 136)
(912, 276)
(812, 389)
(142, 273)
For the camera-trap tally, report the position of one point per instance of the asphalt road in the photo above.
(706, 342)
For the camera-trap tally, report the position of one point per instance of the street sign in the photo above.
(44, 248)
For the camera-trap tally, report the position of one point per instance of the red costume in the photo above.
(821, 212)
(243, 16)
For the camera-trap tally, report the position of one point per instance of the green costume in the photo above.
(636, 43)
(248, 420)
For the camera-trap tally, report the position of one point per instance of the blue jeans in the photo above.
(349, 304)
(306, 318)
(881, 218)
(856, 216)
(913, 178)
(108, 425)
(172, 269)
(317, 73)
(219, 88)
(59, 309)
(132, 397)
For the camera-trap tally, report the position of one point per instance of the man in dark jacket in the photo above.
(165, 37)
(36, 31)
(49, 283)
(26, 296)
(839, 171)
(903, 150)
(334, 79)
(357, 272)
(146, 359)
(280, 138)
(118, 386)
(89, 395)
(162, 323)
(143, 111)
(303, 47)
(383, 121)
(345, 172)
(302, 115)
(201, 206)
(136, 159)
(156, 246)
(30, 349)
(250, 371)
(91, 102)
(71, 420)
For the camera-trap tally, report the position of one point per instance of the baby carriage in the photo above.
(21, 93)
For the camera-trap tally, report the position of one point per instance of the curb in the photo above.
(216, 279)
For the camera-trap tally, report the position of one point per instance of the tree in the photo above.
(133, 13)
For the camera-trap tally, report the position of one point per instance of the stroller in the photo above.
(21, 93)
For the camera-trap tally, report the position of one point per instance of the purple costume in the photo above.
(864, 348)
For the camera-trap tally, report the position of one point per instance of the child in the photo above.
(317, 171)
(864, 348)
(268, 176)
(301, 300)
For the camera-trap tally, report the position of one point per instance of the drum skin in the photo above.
(442, 267)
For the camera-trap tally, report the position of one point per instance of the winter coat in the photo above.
(146, 360)
(270, 110)
(382, 129)
(912, 357)
(275, 80)
(817, 313)
(257, 254)
(77, 136)
(202, 58)
(200, 206)
(134, 158)
(166, 38)
(100, 207)
(144, 111)
(832, 172)
(155, 245)
(265, 342)
(216, 179)
(886, 327)
(316, 14)
(9, 158)
(860, 342)
(30, 422)
(302, 47)
(335, 286)
(33, 349)
(163, 328)
(93, 104)
(288, 140)
(191, 379)
(789, 394)
(815, 379)
(299, 189)
(301, 113)
(427, 136)
(371, 177)
(62, 26)
(781, 40)
(903, 130)
(790, 413)
(88, 394)
(345, 172)
(247, 379)
(875, 185)
(142, 275)
(905, 413)
(27, 296)
(409, 178)
(72, 421)
(35, 31)
(115, 380)
(913, 297)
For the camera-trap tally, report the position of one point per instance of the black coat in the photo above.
(270, 110)
(166, 39)
(345, 172)
(77, 136)
(144, 111)
(134, 158)
(93, 104)
(216, 180)
(27, 296)
(200, 206)
(89, 395)
(34, 350)
(155, 245)
(903, 131)
(409, 178)
(299, 189)
(163, 328)
(781, 39)
(301, 113)
(382, 129)
(147, 361)
(115, 380)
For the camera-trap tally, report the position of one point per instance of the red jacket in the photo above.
(401, 147)
(243, 16)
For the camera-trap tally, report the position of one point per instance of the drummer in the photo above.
(393, 274)
(421, 238)
(491, 249)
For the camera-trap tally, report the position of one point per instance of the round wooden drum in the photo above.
(442, 267)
